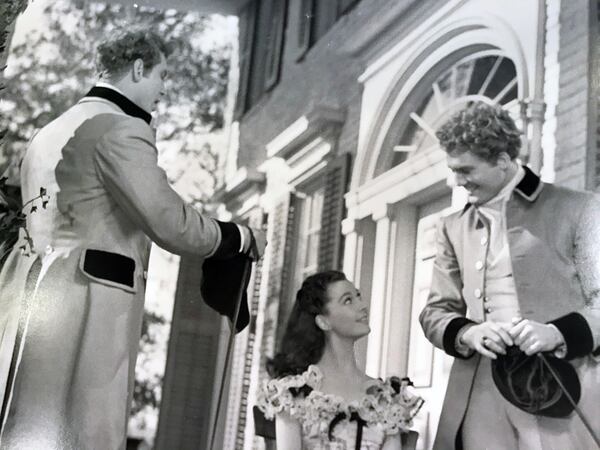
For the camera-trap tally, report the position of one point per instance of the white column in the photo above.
(352, 250)
(551, 89)
(380, 292)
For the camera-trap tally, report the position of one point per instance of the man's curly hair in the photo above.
(115, 55)
(482, 129)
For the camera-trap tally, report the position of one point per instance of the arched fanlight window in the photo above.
(486, 76)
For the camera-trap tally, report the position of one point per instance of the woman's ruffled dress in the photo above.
(329, 422)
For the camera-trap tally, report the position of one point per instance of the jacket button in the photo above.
(49, 249)
(484, 240)
(145, 274)
(488, 310)
(479, 265)
(477, 293)
(486, 299)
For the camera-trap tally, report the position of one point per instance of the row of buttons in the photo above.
(479, 264)
(478, 293)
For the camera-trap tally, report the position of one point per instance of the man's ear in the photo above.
(322, 322)
(503, 160)
(138, 69)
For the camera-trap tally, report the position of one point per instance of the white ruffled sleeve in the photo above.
(284, 394)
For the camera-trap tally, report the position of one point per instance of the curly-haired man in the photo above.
(521, 260)
(71, 313)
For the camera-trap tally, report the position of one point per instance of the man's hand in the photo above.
(534, 337)
(488, 338)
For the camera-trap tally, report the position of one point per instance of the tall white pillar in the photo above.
(352, 249)
(385, 237)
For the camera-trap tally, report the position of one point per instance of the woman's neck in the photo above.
(338, 357)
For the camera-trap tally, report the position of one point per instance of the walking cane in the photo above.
(573, 403)
(246, 275)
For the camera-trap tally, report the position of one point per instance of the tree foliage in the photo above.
(54, 68)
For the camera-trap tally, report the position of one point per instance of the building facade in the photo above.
(332, 149)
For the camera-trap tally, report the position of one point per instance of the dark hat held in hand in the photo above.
(529, 384)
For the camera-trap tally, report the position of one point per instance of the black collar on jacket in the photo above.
(529, 187)
(121, 101)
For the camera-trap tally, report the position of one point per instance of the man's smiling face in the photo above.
(481, 178)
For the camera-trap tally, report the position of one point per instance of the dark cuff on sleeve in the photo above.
(230, 241)
(577, 334)
(450, 333)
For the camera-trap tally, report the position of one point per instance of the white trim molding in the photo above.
(317, 122)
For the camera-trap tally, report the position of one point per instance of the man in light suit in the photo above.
(71, 313)
(519, 265)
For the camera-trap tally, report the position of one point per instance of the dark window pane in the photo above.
(482, 69)
(305, 20)
(344, 6)
(325, 15)
(275, 43)
(246, 40)
(505, 72)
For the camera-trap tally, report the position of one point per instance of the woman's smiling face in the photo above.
(347, 314)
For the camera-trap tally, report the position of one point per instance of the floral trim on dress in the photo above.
(279, 394)
(387, 404)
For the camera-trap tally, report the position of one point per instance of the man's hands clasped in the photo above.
(492, 338)
(534, 337)
(488, 338)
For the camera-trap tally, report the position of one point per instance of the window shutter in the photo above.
(282, 222)
(246, 40)
(275, 43)
(253, 300)
(305, 21)
(336, 179)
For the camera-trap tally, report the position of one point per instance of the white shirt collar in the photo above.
(505, 192)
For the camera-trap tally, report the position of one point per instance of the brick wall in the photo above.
(595, 83)
(576, 121)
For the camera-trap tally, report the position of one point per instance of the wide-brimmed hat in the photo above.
(533, 383)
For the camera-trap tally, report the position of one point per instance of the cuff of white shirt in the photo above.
(242, 238)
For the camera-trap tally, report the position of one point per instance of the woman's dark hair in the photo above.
(482, 129)
(303, 341)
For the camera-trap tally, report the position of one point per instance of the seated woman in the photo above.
(318, 395)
